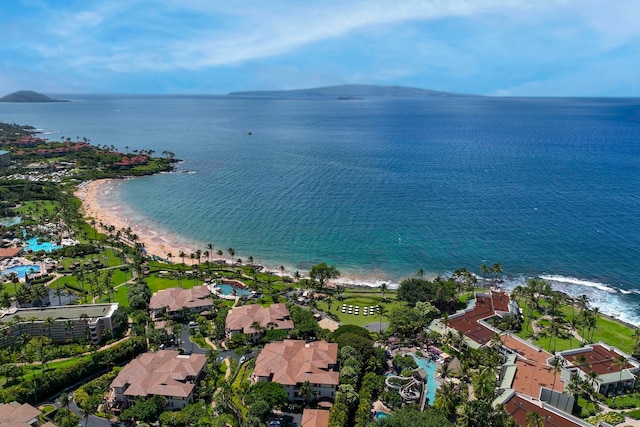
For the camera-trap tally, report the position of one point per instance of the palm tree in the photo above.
(232, 253)
(383, 288)
(69, 325)
(447, 399)
(381, 311)
(282, 273)
(420, 272)
(497, 270)
(534, 419)
(49, 321)
(556, 365)
(484, 270)
(306, 392)
(620, 363)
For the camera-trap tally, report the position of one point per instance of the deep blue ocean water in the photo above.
(384, 187)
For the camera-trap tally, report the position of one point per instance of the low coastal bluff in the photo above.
(29, 96)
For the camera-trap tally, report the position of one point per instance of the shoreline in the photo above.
(160, 241)
(157, 242)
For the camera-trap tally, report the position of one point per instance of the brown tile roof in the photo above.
(532, 372)
(468, 322)
(500, 301)
(243, 317)
(176, 298)
(315, 418)
(519, 407)
(291, 362)
(14, 414)
(9, 252)
(163, 373)
(599, 360)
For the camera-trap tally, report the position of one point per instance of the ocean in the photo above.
(383, 187)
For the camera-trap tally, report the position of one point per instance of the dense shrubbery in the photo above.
(39, 387)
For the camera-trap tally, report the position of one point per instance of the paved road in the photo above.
(93, 421)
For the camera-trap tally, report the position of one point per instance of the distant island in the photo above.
(28, 96)
(349, 92)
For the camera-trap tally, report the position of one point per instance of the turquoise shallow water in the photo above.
(384, 187)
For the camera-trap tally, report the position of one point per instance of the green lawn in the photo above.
(31, 370)
(360, 299)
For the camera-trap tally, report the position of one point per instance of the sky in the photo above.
(485, 47)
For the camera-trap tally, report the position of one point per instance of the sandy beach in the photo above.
(95, 205)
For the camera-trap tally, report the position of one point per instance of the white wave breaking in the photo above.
(581, 282)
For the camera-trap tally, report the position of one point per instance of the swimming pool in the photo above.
(380, 415)
(432, 383)
(226, 289)
(21, 270)
(35, 246)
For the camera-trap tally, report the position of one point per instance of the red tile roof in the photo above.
(519, 407)
(163, 373)
(315, 418)
(241, 318)
(291, 362)
(9, 252)
(15, 414)
(176, 298)
(599, 360)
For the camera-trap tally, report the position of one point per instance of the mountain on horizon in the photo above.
(347, 91)
(28, 96)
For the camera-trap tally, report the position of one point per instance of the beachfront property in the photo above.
(91, 322)
(164, 373)
(616, 371)
(471, 321)
(175, 300)
(526, 368)
(315, 418)
(293, 362)
(241, 320)
(15, 414)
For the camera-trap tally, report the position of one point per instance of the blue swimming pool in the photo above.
(380, 415)
(21, 270)
(226, 289)
(35, 246)
(432, 383)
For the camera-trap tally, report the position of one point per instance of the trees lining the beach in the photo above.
(321, 273)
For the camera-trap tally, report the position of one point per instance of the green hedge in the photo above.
(39, 387)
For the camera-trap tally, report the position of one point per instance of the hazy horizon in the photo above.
(486, 47)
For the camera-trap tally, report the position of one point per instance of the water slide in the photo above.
(411, 390)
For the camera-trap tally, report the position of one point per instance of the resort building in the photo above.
(91, 322)
(527, 371)
(520, 406)
(5, 160)
(244, 320)
(315, 418)
(174, 300)
(616, 371)
(15, 414)
(163, 373)
(293, 362)
(471, 322)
